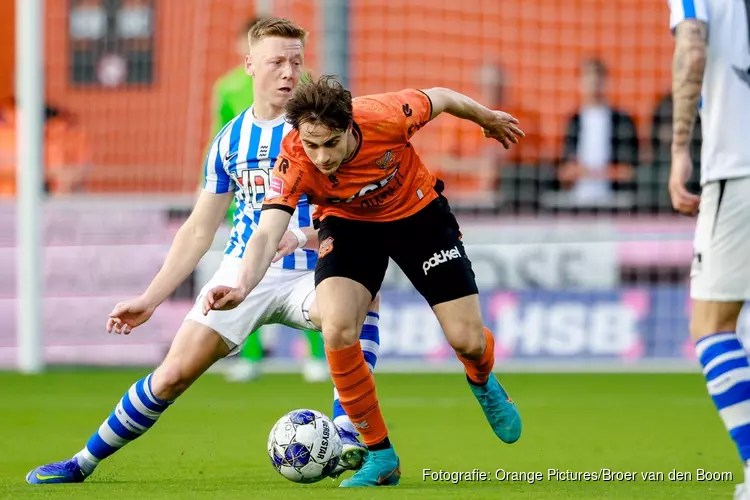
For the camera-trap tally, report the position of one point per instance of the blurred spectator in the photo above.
(233, 91)
(67, 156)
(652, 181)
(469, 163)
(232, 94)
(600, 150)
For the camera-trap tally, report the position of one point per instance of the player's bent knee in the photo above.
(461, 321)
(170, 381)
(466, 338)
(469, 347)
(194, 349)
(339, 335)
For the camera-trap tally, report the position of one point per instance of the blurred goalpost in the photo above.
(30, 100)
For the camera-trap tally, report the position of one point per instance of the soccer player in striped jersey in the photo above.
(711, 73)
(237, 166)
(232, 94)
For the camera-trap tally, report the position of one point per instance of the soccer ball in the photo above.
(304, 446)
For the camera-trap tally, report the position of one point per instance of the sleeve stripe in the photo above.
(429, 117)
(688, 7)
(278, 206)
(222, 181)
(209, 170)
(216, 180)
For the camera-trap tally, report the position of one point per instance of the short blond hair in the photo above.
(278, 27)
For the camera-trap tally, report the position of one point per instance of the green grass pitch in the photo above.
(212, 442)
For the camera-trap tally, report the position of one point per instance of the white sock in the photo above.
(345, 423)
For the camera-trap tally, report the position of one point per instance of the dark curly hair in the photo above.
(324, 101)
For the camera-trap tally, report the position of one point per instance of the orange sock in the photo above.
(478, 370)
(356, 387)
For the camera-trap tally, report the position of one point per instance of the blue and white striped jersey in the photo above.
(240, 160)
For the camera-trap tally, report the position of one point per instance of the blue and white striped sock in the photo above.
(727, 371)
(369, 340)
(136, 413)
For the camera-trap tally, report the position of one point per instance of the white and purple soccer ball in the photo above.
(304, 446)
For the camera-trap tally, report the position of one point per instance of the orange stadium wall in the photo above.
(539, 43)
(154, 137)
(7, 47)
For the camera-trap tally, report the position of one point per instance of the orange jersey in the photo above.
(385, 180)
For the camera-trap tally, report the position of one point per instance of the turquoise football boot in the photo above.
(499, 409)
(381, 468)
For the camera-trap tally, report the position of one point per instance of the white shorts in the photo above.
(283, 296)
(721, 250)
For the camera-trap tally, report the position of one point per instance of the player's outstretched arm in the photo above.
(688, 64)
(259, 252)
(191, 242)
(496, 124)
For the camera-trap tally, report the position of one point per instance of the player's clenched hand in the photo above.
(503, 128)
(129, 314)
(222, 298)
(288, 244)
(683, 201)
